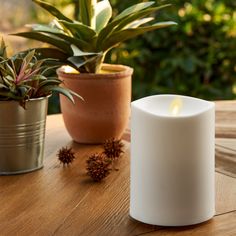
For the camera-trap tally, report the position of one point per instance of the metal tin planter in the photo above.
(22, 134)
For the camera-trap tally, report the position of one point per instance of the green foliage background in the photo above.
(196, 58)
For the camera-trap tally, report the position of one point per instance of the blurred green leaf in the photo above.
(123, 35)
(56, 41)
(133, 9)
(52, 10)
(103, 14)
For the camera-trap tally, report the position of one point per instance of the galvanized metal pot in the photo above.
(22, 134)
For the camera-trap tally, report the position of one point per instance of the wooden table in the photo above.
(63, 201)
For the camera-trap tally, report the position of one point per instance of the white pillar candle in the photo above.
(172, 160)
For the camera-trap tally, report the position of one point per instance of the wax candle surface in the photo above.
(161, 105)
(172, 160)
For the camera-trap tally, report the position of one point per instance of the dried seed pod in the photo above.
(113, 148)
(66, 155)
(98, 167)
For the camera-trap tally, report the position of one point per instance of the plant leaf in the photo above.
(133, 17)
(119, 24)
(78, 52)
(126, 34)
(103, 14)
(12, 75)
(133, 9)
(87, 62)
(60, 90)
(79, 30)
(138, 23)
(75, 94)
(8, 94)
(73, 40)
(52, 10)
(3, 52)
(52, 40)
(3, 86)
(44, 28)
(28, 58)
(23, 91)
(79, 61)
(83, 12)
(56, 54)
(47, 82)
(87, 12)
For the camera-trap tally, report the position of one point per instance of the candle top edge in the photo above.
(160, 105)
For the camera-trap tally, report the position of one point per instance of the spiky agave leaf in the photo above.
(103, 14)
(87, 12)
(122, 21)
(94, 33)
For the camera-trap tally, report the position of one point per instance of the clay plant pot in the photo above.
(105, 111)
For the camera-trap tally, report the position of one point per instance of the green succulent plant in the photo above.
(84, 42)
(23, 77)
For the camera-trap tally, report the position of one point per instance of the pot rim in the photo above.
(30, 100)
(117, 72)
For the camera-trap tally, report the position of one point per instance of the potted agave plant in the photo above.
(82, 44)
(24, 92)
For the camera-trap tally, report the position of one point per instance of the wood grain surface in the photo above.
(226, 119)
(226, 137)
(61, 200)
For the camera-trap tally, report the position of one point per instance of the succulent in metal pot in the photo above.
(23, 77)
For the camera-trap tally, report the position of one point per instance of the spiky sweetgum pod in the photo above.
(66, 155)
(98, 167)
(113, 148)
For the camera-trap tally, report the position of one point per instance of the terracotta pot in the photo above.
(105, 111)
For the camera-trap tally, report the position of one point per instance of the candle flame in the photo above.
(69, 69)
(176, 106)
